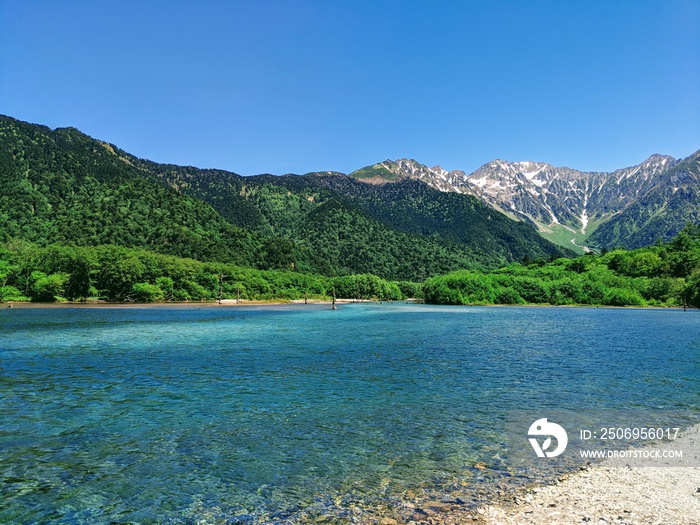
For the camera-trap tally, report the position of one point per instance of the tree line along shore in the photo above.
(665, 274)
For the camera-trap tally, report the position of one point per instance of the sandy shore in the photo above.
(172, 304)
(273, 302)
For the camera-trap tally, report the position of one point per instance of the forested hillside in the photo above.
(61, 186)
(354, 243)
(413, 206)
(473, 234)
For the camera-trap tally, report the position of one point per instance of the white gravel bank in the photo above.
(605, 494)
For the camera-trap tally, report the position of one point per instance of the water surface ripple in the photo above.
(247, 414)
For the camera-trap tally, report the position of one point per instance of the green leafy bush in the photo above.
(663, 274)
(147, 293)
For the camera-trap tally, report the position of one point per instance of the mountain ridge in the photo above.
(559, 201)
(62, 186)
(629, 207)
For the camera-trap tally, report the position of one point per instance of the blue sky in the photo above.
(298, 86)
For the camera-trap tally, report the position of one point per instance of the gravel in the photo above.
(610, 494)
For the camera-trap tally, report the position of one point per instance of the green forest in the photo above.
(112, 273)
(666, 274)
(63, 187)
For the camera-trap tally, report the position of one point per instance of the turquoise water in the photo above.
(241, 415)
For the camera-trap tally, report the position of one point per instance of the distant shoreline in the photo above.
(282, 302)
(176, 304)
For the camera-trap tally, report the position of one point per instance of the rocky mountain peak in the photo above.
(558, 200)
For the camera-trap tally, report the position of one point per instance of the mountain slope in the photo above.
(63, 186)
(568, 205)
(279, 205)
(347, 239)
(660, 213)
(412, 206)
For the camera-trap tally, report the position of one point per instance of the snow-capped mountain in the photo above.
(549, 195)
(565, 204)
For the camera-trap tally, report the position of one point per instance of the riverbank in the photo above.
(605, 493)
(175, 304)
(596, 495)
(278, 302)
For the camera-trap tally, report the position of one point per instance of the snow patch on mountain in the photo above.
(541, 193)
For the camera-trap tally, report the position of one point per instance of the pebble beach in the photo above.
(599, 494)
(605, 493)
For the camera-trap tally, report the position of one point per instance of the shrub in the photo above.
(623, 297)
(509, 296)
(147, 293)
(10, 293)
(49, 287)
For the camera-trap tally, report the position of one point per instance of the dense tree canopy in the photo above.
(115, 273)
(661, 275)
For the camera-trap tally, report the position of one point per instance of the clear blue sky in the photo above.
(297, 86)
